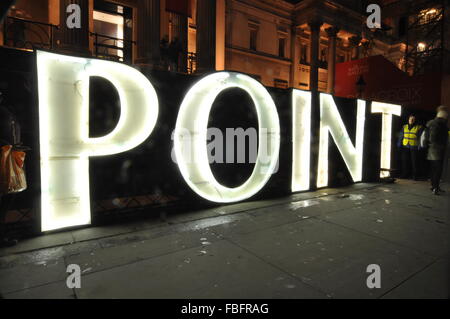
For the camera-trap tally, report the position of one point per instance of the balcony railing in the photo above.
(183, 62)
(191, 62)
(111, 48)
(27, 34)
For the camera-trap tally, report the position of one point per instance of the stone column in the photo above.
(332, 33)
(206, 35)
(314, 60)
(220, 34)
(74, 40)
(354, 42)
(148, 32)
(315, 107)
(295, 56)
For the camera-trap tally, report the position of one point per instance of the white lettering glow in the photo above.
(386, 136)
(65, 145)
(331, 122)
(191, 132)
(301, 143)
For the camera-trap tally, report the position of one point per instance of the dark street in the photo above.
(309, 245)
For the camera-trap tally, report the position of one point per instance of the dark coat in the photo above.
(438, 138)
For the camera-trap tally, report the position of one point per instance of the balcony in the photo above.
(191, 62)
(111, 48)
(27, 34)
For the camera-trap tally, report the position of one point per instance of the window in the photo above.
(253, 27)
(281, 47)
(427, 16)
(323, 58)
(421, 47)
(280, 84)
(402, 26)
(303, 53)
(253, 39)
(112, 31)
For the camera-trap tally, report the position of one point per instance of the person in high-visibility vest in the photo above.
(409, 144)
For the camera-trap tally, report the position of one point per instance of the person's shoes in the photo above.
(5, 242)
(436, 191)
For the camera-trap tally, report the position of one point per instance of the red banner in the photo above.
(384, 82)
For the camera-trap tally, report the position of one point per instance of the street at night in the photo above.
(311, 245)
(229, 157)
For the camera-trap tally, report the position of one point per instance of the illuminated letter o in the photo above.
(190, 137)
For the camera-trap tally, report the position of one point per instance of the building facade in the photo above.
(294, 43)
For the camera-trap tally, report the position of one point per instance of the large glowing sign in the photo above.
(191, 137)
(301, 142)
(65, 146)
(386, 136)
(331, 122)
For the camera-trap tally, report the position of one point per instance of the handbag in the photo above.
(12, 173)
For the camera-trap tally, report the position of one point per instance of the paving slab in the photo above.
(57, 290)
(136, 250)
(332, 258)
(36, 256)
(31, 275)
(104, 231)
(432, 282)
(395, 224)
(44, 241)
(307, 245)
(226, 271)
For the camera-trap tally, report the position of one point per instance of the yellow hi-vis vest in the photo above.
(410, 135)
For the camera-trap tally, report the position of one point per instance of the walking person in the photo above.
(437, 145)
(409, 144)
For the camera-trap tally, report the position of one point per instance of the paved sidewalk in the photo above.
(309, 245)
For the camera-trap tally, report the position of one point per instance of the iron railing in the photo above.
(191, 62)
(27, 34)
(111, 48)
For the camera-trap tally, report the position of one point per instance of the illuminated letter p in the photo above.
(65, 145)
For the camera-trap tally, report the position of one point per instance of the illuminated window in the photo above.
(428, 15)
(112, 31)
(421, 47)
